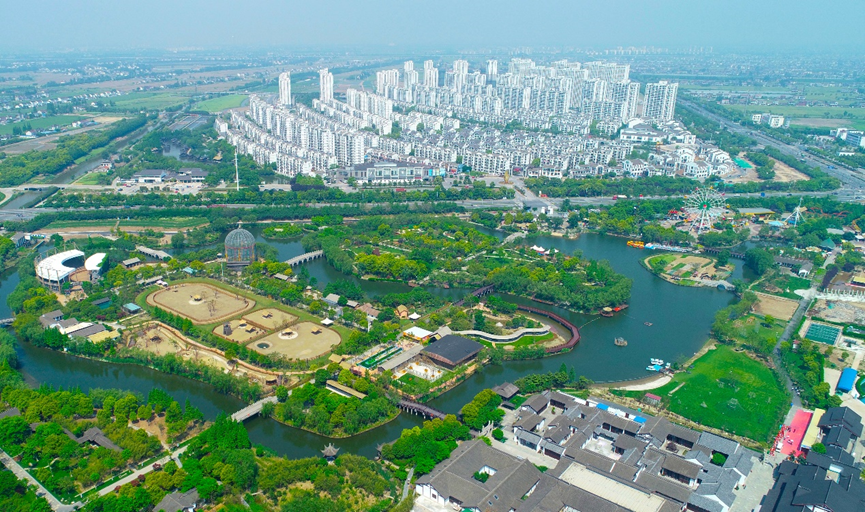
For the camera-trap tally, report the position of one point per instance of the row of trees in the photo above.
(18, 169)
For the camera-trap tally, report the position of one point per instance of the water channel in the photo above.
(680, 318)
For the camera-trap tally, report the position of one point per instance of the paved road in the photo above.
(143, 471)
(850, 177)
(405, 486)
(788, 331)
(16, 468)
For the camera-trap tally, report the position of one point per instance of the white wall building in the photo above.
(285, 89)
(659, 103)
(325, 83)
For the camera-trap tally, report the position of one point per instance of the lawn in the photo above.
(730, 391)
(91, 178)
(220, 103)
(41, 122)
(783, 285)
(525, 341)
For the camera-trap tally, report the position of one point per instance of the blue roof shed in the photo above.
(847, 381)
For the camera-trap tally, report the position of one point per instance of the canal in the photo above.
(680, 319)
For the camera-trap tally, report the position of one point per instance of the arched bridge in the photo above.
(253, 409)
(423, 410)
(303, 258)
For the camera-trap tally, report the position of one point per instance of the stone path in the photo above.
(22, 474)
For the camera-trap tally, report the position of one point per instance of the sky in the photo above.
(758, 25)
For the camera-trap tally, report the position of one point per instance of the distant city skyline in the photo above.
(763, 25)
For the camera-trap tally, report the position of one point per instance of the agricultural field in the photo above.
(220, 103)
(728, 390)
(41, 123)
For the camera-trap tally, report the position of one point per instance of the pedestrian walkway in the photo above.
(22, 474)
(143, 471)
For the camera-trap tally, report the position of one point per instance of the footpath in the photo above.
(22, 474)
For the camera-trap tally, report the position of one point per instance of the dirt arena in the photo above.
(777, 307)
(305, 346)
(179, 299)
(270, 318)
(241, 331)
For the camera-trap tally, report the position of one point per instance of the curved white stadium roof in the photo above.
(52, 268)
(94, 262)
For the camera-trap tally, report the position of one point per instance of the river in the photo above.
(681, 318)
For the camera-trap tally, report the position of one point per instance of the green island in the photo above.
(690, 269)
(450, 252)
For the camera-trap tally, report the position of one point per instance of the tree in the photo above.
(818, 448)
(173, 413)
(723, 257)
(759, 260)
(281, 394)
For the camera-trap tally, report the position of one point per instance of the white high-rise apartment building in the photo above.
(625, 94)
(285, 89)
(492, 69)
(460, 71)
(430, 74)
(325, 83)
(410, 76)
(660, 101)
(386, 80)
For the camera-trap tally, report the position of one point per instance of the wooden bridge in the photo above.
(423, 410)
(480, 292)
(303, 258)
(253, 409)
(575, 333)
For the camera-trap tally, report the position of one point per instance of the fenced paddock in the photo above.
(300, 344)
(270, 318)
(201, 303)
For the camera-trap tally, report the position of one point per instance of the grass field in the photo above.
(41, 122)
(793, 112)
(221, 103)
(167, 223)
(730, 391)
(148, 100)
(91, 178)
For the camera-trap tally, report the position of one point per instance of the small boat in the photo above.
(607, 312)
(647, 324)
(658, 362)
(620, 342)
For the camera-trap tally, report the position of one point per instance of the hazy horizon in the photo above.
(761, 26)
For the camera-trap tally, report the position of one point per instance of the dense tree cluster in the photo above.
(482, 410)
(63, 465)
(424, 447)
(314, 408)
(352, 483)
(804, 364)
(583, 285)
(537, 382)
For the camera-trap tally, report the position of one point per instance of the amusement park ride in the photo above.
(703, 206)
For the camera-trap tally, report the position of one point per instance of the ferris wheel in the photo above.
(703, 206)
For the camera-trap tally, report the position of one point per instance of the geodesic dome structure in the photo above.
(239, 247)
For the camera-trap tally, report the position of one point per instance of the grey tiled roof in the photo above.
(718, 443)
(537, 402)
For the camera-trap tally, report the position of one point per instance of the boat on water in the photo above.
(636, 243)
(654, 368)
(608, 311)
(620, 342)
(659, 362)
(647, 324)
